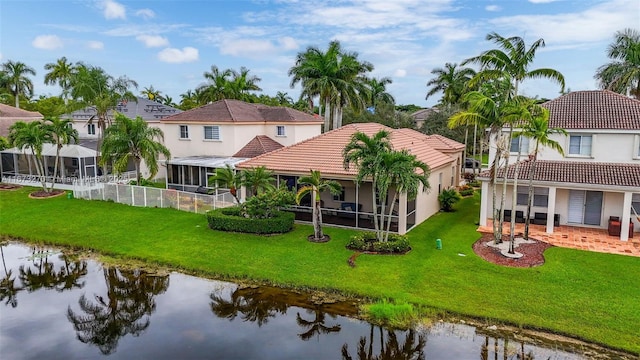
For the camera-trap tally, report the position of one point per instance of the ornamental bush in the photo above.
(466, 190)
(231, 219)
(366, 241)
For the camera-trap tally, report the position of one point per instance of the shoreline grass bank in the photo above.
(588, 295)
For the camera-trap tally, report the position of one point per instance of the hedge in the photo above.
(229, 219)
(367, 241)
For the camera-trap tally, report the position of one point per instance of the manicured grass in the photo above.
(590, 295)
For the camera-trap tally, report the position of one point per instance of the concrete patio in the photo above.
(573, 237)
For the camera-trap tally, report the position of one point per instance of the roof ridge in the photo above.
(226, 105)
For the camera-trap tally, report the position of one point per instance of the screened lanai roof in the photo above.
(207, 161)
(71, 151)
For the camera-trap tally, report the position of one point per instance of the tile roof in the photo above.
(147, 109)
(594, 109)
(443, 143)
(259, 145)
(591, 173)
(239, 111)
(324, 152)
(9, 115)
(422, 114)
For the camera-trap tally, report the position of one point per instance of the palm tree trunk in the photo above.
(339, 117)
(464, 153)
(475, 144)
(375, 211)
(336, 112)
(532, 171)
(40, 169)
(317, 221)
(386, 237)
(136, 161)
(514, 195)
(55, 166)
(17, 96)
(507, 152)
(327, 115)
(496, 212)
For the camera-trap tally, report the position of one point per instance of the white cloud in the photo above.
(175, 56)
(143, 29)
(400, 73)
(113, 10)
(288, 43)
(47, 42)
(95, 45)
(247, 47)
(153, 40)
(542, 1)
(146, 14)
(492, 8)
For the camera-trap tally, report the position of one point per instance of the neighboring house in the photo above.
(599, 175)
(420, 116)
(228, 132)
(86, 123)
(354, 206)
(9, 115)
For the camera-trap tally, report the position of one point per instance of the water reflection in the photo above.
(412, 347)
(125, 309)
(317, 325)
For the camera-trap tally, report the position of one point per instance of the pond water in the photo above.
(57, 305)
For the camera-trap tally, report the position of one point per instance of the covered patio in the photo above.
(193, 172)
(573, 237)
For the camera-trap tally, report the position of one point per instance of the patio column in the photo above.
(484, 200)
(551, 209)
(626, 216)
(402, 214)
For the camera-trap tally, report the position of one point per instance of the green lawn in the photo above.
(590, 295)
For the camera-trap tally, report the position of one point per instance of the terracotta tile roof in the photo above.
(259, 145)
(239, 111)
(597, 109)
(9, 115)
(592, 173)
(443, 143)
(324, 152)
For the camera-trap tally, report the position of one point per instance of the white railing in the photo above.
(155, 197)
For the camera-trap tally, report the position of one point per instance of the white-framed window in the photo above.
(280, 130)
(520, 143)
(439, 183)
(580, 145)
(636, 147)
(212, 132)
(540, 196)
(184, 132)
(91, 129)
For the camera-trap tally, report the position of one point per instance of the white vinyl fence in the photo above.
(154, 197)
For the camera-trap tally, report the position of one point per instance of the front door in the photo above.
(585, 207)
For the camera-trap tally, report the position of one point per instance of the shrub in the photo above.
(231, 219)
(466, 190)
(268, 203)
(447, 198)
(366, 241)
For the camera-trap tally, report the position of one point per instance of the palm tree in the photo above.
(17, 81)
(189, 99)
(351, 85)
(60, 73)
(378, 91)
(32, 135)
(399, 170)
(258, 179)
(168, 101)
(218, 84)
(152, 94)
(364, 152)
(538, 130)
(284, 99)
(241, 83)
(452, 81)
(63, 134)
(229, 178)
(133, 139)
(622, 74)
(314, 185)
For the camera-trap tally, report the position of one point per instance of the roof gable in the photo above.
(594, 109)
(236, 111)
(259, 145)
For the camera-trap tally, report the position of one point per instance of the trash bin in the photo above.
(69, 195)
(438, 244)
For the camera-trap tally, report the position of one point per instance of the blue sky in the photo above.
(170, 43)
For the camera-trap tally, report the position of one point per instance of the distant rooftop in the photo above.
(147, 109)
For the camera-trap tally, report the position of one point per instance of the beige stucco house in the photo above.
(597, 178)
(354, 206)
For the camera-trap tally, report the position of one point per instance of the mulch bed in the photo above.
(9, 186)
(44, 195)
(533, 253)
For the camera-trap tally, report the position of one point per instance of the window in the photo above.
(91, 129)
(453, 172)
(540, 196)
(439, 183)
(635, 203)
(184, 132)
(212, 132)
(521, 143)
(280, 130)
(580, 145)
(636, 150)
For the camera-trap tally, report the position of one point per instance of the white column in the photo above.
(626, 216)
(402, 213)
(484, 201)
(551, 209)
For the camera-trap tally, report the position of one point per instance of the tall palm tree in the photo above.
(351, 85)
(32, 135)
(364, 152)
(133, 139)
(17, 80)
(284, 99)
(622, 74)
(229, 178)
(63, 134)
(378, 91)
(401, 171)
(242, 83)
(538, 130)
(452, 81)
(258, 179)
(60, 73)
(314, 185)
(217, 87)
